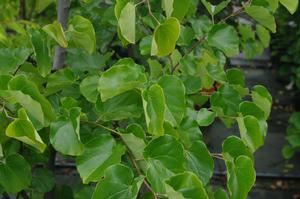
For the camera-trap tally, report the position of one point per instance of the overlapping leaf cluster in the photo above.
(132, 119)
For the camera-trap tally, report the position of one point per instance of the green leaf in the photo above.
(119, 182)
(64, 134)
(80, 60)
(262, 16)
(22, 129)
(156, 69)
(220, 194)
(10, 59)
(263, 35)
(119, 79)
(56, 32)
(127, 22)
(165, 157)
(43, 180)
(41, 5)
(225, 101)
(205, 117)
(215, 9)
(42, 52)
(21, 83)
(120, 4)
(145, 45)
(225, 38)
(81, 34)
(246, 32)
(174, 92)
(234, 147)
(180, 8)
(187, 34)
(240, 177)
(216, 72)
(32, 107)
(165, 37)
(59, 80)
(189, 131)
(191, 83)
(154, 108)
(88, 88)
(99, 153)
(288, 152)
(251, 132)
(15, 174)
(235, 76)
(187, 185)
(199, 161)
(167, 6)
(290, 5)
(262, 98)
(135, 144)
(273, 4)
(250, 108)
(123, 106)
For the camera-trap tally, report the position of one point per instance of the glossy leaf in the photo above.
(225, 38)
(99, 153)
(15, 174)
(42, 52)
(43, 180)
(127, 22)
(21, 83)
(290, 5)
(56, 32)
(32, 107)
(81, 34)
(174, 92)
(165, 37)
(262, 98)
(240, 177)
(10, 59)
(262, 16)
(234, 147)
(22, 129)
(165, 157)
(167, 6)
(200, 162)
(88, 88)
(215, 9)
(64, 134)
(251, 132)
(187, 185)
(119, 79)
(154, 108)
(180, 8)
(263, 35)
(123, 106)
(205, 117)
(119, 182)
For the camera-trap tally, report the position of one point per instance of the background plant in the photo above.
(285, 48)
(122, 88)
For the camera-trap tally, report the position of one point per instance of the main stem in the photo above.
(63, 7)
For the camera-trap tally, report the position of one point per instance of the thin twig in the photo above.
(131, 156)
(102, 126)
(237, 12)
(141, 2)
(196, 44)
(140, 173)
(150, 12)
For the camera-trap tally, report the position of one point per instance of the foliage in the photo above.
(140, 79)
(285, 46)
